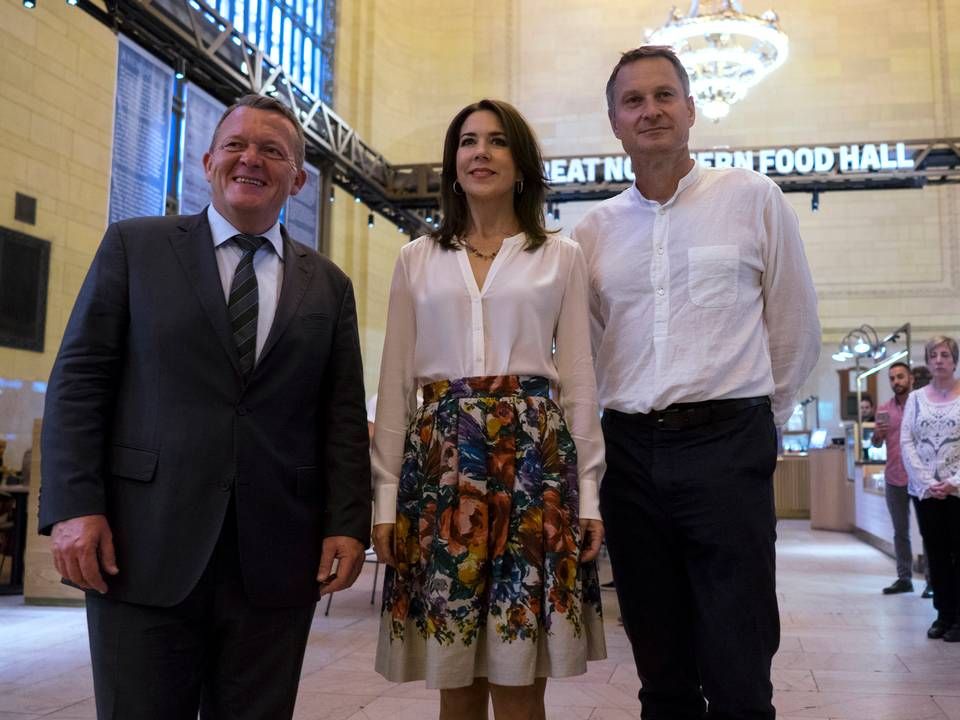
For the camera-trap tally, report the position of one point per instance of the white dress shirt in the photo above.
(267, 265)
(705, 297)
(441, 326)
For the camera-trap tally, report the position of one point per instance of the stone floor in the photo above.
(848, 653)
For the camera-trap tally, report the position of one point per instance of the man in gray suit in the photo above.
(205, 460)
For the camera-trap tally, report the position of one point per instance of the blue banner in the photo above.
(201, 114)
(141, 134)
(302, 216)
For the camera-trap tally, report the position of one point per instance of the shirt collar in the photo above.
(222, 230)
(686, 181)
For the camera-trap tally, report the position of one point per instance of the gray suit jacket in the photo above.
(149, 421)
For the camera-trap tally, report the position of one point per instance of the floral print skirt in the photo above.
(488, 580)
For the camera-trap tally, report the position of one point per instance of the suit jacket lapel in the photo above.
(297, 272)
(193, 244)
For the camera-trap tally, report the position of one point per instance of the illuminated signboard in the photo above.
(869, 157)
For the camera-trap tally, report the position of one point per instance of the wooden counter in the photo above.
(831, 493)
(791, 486)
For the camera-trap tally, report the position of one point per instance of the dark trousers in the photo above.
(690, 527)
(939, 522)
(214, 652)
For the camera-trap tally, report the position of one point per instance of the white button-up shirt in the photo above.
(267, 265)
(441, 326)
(705, 297)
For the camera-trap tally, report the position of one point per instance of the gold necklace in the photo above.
(482, 255)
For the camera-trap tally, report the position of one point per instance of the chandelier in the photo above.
(725, 51)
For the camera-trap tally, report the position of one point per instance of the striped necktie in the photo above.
(243, 304)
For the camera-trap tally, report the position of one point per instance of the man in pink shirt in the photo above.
(888, 418)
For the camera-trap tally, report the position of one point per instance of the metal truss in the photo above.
(223, 61)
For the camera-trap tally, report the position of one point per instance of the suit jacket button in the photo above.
(242, 410)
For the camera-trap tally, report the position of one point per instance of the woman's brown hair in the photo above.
(528, 203)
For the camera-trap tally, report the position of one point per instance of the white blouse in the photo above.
(930, 443)
(441, 326)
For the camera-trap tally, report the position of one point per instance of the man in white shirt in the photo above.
(704, 327)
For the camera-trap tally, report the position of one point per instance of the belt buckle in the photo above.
(666, 414)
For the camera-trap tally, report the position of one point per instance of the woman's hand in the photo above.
(940, 490)
(383, 543)
(592, 539)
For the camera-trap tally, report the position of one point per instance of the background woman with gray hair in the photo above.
(930, 443)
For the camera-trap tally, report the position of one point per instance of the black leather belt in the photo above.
(690, 415)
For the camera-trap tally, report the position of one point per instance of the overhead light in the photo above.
(73, 3)
(29, 4)
(332, 196)
(864, 342)
(815, 200)
(725, 51)
(370, 220)
(356, 198)
(429, 218)
(181, 70)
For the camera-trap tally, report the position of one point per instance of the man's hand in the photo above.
(82, 547)
(940, 490)
(348, 552)
(592, 539)
(383, 543)
(879, 432)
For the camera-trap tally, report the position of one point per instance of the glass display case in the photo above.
(861, 452)
(795, 442)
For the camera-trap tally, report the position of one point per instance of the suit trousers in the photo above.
(213, 652)
(690, 527)
(939, 522)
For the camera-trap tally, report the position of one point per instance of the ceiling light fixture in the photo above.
(725, 51)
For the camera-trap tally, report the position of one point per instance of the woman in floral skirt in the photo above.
(486, 495)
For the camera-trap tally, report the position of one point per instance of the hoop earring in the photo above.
(457, 188)
(519, 184)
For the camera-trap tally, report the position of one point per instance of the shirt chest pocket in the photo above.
(713, 272)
